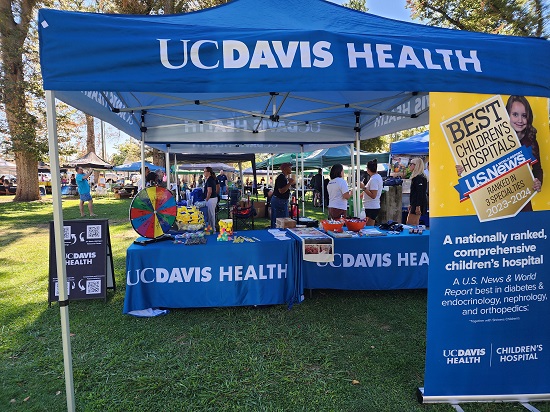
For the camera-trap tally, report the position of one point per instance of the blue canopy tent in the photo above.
(314, 74)
(414, 145)
(136, 167)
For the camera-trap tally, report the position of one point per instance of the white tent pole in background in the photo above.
(60, 248)
(297, 177)
(352, 164)
(167, 169)
(143, 149)
(303, 180)
(357, 175)
(241, 177)
(358, 191)
(177, 180)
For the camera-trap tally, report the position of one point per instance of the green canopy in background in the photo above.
(323, 158)
(342, 155)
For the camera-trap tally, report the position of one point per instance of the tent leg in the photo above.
(60, 248)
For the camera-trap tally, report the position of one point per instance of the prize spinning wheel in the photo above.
(153, 212)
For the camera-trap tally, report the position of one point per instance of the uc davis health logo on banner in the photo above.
(461, 356)
(495, 172)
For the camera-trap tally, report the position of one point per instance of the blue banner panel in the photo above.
(488, 307)
(376, 263)
(168, 275)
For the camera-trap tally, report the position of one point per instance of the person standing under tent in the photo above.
(84, 190)
(210, 195)
(317, 185)
(372, 191)
(281, 193)
(338, 193)
(222, 181)
(419, 189)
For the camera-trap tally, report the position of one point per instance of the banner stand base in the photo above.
(454, 401)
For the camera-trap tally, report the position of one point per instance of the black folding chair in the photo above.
(243, 217)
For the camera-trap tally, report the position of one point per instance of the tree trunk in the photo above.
(21, 124)
(158, 157)
(90, 134)
(27, 177)
(90, 142)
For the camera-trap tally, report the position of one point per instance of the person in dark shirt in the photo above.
(150, 177)
(222, 181)
(210, 195)
(281, 193)
(317, 185)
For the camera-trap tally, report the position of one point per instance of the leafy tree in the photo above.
(23, 126)
(360, 5)
(512, 17)
(15, 19)
(128, 151)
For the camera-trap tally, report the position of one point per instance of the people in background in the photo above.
(222, 181)
(317, 185)
(73, 180)
(418, 195)
(210, 195)
(84, 190)
(372, 191)
(150, 177)
(281, 193)
(338, 193)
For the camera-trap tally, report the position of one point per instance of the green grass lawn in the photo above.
(336, 351)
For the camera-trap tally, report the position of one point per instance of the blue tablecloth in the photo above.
(373, 263)
(168, 275)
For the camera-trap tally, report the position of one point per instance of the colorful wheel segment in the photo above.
(153, 212)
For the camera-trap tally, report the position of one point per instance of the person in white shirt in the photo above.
(338, 193)
(372, 192)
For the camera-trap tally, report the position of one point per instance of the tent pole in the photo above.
(352, 175)
(302, 185)
(167, 163)
(60, 248)
(143, 130)
(178, 196)
(357, 177)
(241, 177)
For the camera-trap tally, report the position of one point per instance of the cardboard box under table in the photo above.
(167, 275)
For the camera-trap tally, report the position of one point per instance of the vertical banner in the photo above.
(487, 336)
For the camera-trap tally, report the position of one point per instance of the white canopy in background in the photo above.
(7, 168)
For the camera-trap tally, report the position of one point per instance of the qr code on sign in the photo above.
(56, 288)
(93, 286)
(67, 232)
(93, 231)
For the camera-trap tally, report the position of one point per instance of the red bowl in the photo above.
(334, 226)
(355, 225)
